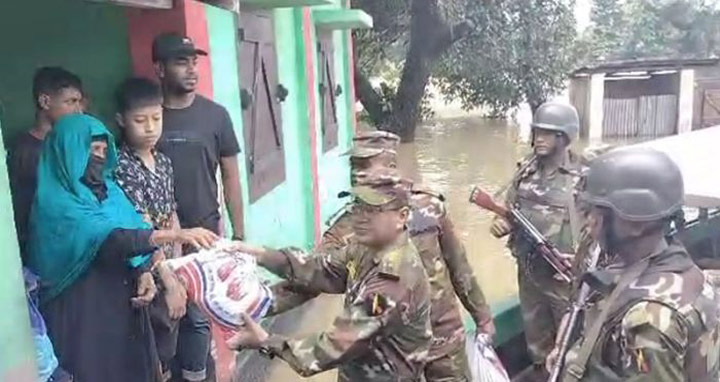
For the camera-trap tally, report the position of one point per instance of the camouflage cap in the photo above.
(368, 152)
(380, 187)
(370, 143)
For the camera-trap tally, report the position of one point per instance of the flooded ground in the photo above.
(448, 156)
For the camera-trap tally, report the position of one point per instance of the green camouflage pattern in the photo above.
(543, 302)
(543, 199)
(371, 143)
(377, 139)
(383, 333)
(448, 269)
(662, 328)
(449, 272)
(339, 234)
(451, 367)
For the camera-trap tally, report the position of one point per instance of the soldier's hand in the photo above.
(487, 328)
(249, 336)
(500, 227)
(248, 248)
(551, 359)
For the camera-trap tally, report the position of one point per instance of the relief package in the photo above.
(224, 283)
(485, 364)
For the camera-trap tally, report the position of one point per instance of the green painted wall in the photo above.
(18, 360)
(283, 216)
(86, 38)
(334, 168)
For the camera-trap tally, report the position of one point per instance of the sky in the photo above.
(582, 13)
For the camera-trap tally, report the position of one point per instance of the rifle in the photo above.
(577, 306)
(540, 244)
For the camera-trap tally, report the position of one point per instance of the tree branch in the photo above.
(370, 99)
(449, 36)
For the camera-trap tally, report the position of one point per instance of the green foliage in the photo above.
(652, 28)
(521, 51)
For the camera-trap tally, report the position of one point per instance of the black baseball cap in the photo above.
(172, 45)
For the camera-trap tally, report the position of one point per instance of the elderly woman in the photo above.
(91, 251)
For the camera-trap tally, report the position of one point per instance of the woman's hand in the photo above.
(176, 300)
(175, 293)
(197, 237)
(146, 290)
(487, 328)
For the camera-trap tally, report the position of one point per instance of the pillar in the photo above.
(686, 94)
(595, 116)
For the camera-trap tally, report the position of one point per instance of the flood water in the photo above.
(448, 156)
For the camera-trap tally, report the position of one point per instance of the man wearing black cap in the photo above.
(198, 137)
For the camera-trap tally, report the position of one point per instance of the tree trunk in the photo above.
(430, 37)
(406, 106)
(371, 100)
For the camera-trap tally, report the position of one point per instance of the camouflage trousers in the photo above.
(452, 367)
(543, 302)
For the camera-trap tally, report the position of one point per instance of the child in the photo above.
(146, 177)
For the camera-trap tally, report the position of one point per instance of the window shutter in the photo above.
(261, 97)
(329, 90)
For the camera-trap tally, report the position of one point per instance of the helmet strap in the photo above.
(613, 243)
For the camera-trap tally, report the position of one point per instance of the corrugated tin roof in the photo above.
(644, 64)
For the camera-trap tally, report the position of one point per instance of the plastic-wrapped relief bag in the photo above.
(224, 283)
(485, 365)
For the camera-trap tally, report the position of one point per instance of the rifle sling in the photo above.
(577, 367)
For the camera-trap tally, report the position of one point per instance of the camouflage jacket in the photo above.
(662, 328)
(337, 237)
(446, 263)
(383, 333)
(544, 199)
(340, 231)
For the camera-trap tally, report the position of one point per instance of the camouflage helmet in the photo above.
(558, 117)
(637, 183)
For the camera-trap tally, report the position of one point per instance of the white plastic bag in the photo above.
(485, 365)
(224, 283)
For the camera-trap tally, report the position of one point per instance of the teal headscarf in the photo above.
(68, 223)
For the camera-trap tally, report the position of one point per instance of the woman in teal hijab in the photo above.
(91, 251)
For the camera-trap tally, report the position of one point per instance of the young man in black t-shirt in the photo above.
(56, 93)
(198, 137)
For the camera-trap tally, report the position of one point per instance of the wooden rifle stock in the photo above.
(540, 244)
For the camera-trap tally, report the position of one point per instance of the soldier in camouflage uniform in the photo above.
(652, 316)
(383, 334)
(543, 190)
(450, 274)
(372, 149)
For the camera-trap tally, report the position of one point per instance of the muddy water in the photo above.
(448, 156)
